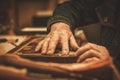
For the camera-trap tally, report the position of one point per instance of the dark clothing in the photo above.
(4, 22)
(83, 12)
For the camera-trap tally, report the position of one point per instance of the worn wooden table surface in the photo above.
(8, 42)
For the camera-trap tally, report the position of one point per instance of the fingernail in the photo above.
(65, 52)
(43, 51)
(36, 49)
(50, 51)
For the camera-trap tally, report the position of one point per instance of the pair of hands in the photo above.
(61, 34)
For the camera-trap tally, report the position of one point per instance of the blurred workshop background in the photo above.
(25, 16)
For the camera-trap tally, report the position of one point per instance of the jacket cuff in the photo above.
(59, 19)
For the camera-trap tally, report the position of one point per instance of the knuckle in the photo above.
(91, 51)
(89, 45)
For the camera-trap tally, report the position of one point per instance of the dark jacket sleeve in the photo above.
(67, 12)
(74, 13)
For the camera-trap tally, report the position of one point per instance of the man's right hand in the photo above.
(60, 34)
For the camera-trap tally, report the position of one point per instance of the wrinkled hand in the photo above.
(91, 52)
(60, 34)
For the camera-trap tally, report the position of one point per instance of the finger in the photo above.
(45, 45)
(100, 49)
(86, 47)
(73, 43)
(53, 43)
(38, 47)
(94, 46)
(82, 49)
(104, 50)
(64, 42)
(93, 59)
(89, 54)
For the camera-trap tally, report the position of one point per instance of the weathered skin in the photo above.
(60, 34)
